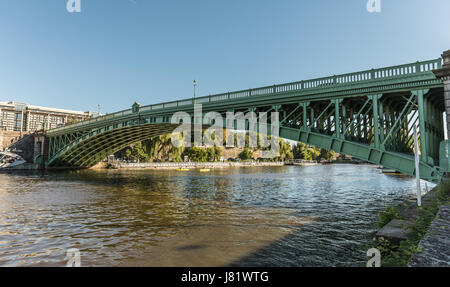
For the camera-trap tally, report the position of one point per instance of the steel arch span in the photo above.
(368, 115)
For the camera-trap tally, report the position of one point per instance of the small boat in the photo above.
(205, 170)
(182, 169)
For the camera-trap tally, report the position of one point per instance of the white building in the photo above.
(20, 117)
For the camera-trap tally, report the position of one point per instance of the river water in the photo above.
(261, 216)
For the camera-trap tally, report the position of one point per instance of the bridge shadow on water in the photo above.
(315, 245)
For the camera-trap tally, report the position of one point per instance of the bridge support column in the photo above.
(376, 120)
(444, 74)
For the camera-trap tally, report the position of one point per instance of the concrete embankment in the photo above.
(191, 165)
(435, 245)
(417, 236)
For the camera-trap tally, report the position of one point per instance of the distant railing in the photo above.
(338, 80)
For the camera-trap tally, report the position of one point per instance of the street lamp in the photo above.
(195, 85)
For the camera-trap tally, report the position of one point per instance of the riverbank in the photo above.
(407, 230)
(434, 246)
(185, 165)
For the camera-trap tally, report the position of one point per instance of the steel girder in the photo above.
(370, 119)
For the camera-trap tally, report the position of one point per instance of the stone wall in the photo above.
(234, 153)
(435, 244)
(24, 147)
(7, 138)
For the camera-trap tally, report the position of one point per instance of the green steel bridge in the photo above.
(368, 115)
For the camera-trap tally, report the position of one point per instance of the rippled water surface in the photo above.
(263, 216)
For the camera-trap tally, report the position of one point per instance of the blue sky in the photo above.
(119, 51)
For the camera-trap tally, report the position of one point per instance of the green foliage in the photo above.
(314, 152)
(303, 151)
(285, 150)
(399, 255)
(387, 215)
(213, 154)
(327, 154)
(218, 153)
(136, 152)
(196, 154)
(161, 148)
(246, 154)
(298, 150)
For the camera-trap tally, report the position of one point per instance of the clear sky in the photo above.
(116, 52)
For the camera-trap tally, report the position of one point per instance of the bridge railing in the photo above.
(336, 80)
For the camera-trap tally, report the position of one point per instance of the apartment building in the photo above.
(21, 117)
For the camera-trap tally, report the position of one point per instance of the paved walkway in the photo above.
(436, 243)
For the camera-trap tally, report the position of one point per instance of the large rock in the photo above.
(396, 230)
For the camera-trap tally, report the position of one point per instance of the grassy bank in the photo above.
(399, 254)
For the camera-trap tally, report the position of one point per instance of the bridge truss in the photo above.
(368, 115)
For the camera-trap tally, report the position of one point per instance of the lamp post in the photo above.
(195, 86)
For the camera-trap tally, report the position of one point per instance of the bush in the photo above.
(387, 215)
(396, 255)
(196, 154)
(246, 154)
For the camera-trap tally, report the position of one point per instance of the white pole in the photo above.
(417, 160)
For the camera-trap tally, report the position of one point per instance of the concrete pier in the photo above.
(444, 74)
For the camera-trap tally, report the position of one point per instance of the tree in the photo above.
(246, 154)
(314, 152)
(161, 148)
(218, 153)
(327, 154)
(128, 153)
(197, 154)
(298, 151)
(211, 154)
(136, 152)
(306, 155)
(285, 151)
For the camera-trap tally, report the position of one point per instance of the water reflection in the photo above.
(262, 216)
